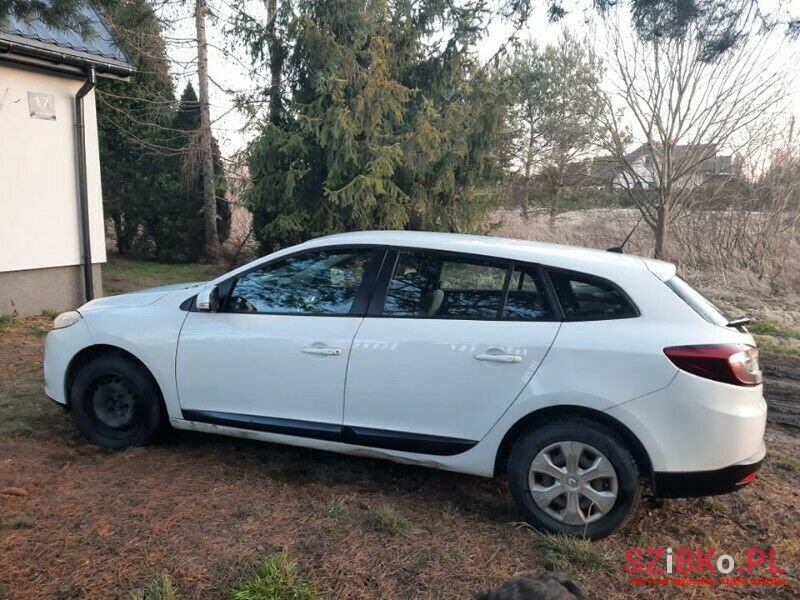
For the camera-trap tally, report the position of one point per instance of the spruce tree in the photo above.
(383, 128)
(137, 164)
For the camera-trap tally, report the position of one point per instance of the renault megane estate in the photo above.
(579, 374)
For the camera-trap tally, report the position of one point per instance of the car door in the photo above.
(447, 345)
(274, 357)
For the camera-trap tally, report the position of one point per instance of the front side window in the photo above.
(583, 297)
(321, 282)
(431, 285)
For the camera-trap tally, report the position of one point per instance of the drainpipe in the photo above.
(83, 189)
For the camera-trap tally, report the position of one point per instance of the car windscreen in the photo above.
(697, 302)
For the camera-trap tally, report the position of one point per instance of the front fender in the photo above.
(151, 335)
(60, 347)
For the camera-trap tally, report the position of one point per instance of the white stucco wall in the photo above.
(39, 208)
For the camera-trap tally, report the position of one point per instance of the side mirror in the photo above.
(207, 299)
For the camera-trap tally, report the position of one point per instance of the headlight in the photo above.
(66, 319)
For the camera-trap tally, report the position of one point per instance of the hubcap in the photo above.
(114, 402)
(573, 483)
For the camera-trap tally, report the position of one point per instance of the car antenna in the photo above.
(621, 248)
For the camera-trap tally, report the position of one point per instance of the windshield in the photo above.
(699, 304)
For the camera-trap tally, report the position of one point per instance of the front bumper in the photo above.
(708, 483)
(60, 348)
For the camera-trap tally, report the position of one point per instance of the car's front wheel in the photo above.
(574, 477)
(115, 403)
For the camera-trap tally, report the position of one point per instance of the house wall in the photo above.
(644, 175)
(39, 202)
(31, 292)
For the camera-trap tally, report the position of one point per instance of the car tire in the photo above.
(599, 486)
(116, 403)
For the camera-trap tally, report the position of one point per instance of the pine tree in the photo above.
(187, 119)
(176, 224)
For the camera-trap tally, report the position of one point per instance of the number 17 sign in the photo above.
(42, 106)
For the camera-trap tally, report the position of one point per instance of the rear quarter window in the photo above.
(588, 298)
(697, 301)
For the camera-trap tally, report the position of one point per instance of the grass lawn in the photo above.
(122, 275)
(209, 517)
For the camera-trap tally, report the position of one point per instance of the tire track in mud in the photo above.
(782, 389)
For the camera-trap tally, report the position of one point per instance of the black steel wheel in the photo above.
(116, 403)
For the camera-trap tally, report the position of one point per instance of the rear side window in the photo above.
(526, 300)
(697, 302)
(588, 298)
(437, 286)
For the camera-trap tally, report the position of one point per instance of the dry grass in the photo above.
(205, 509)
(775, 290)
(387, 521)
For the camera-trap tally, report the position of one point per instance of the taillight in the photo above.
(728, 363)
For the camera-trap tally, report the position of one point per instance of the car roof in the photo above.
(556, 255)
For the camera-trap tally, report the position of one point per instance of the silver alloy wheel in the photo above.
(573, 483)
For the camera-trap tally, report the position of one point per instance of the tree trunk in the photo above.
(526, 200)
(275, 63)
(123, 243)
(661, 232)
(212, 246)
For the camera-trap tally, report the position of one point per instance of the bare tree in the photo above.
(755, 229)
(204, 133)
(682, 107)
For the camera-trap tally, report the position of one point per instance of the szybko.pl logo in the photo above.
(658, 566)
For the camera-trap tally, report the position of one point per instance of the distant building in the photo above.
(52, 241)
(639, 169)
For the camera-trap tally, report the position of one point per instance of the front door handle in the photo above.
(498, 358)
(323, 351)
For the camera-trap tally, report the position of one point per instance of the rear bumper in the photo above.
(696, 424)
(708, 483)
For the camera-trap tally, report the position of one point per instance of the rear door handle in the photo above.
(324, 351)
(498, 358)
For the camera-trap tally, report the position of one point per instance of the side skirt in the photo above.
(357, 436)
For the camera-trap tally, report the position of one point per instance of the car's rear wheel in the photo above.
(116, 403)
(574, 477)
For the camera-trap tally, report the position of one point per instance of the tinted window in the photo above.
(699, 304)
(590, 298)
(526, 300)
(320, 282)
(430, 285)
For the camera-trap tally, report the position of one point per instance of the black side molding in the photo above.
(357, 436)
(309, 429)
(406, 442)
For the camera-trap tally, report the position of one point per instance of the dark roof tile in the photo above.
(100, 44)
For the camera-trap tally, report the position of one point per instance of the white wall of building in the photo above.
(39, 201)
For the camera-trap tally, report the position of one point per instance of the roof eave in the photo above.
(56, 56)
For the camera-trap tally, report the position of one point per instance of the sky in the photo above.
(230, 74)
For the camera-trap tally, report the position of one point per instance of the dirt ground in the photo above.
(77, 521)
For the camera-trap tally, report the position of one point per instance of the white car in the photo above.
(580, 374)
